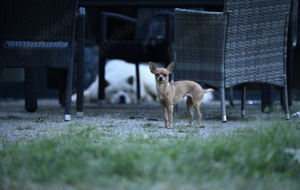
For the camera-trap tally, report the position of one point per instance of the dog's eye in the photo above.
(165, 75)
(157, 75)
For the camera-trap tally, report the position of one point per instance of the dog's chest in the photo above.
(165, 94)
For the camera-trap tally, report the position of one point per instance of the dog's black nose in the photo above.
(122, 99)
(160, 79)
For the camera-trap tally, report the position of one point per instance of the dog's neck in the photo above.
(163, 87)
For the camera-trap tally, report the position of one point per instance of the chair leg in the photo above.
(137, 72)
(267, 91)
(175, 112)
(171, 76)
(286, 104)
(243, 112)
(68, 94)
(101, 87)
(30, 89)
(62, 86)
(79, 100)
(224, 118)
(231, 96)
(80, 30)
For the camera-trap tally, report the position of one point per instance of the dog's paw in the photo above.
(169, 127)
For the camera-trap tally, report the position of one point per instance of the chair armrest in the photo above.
(195, 12)
(294, 20)
(106, 15)
(103, 22)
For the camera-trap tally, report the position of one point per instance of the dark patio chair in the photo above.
(41, 34)
(245, 43)
(137, 50)
(267, 94)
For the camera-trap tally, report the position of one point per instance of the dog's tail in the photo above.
(209, 90)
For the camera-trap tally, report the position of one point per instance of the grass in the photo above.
(27, 127)
(40, 119)
(183, 115)
(13, 117)
(149, 125)
(90, 157)
(188, 129)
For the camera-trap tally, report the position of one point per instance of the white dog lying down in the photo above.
(121, 84)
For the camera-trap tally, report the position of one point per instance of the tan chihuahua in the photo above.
(170, 94)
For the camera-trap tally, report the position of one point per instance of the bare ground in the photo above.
(124, 120)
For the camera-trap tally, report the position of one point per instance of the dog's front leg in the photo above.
(165, 111)
(170, 115)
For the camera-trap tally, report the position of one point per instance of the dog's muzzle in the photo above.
(122, 99)
(160, 79)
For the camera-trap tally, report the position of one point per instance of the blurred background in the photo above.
(48, 80)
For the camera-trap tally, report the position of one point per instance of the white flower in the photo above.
(294, 152)
(146, 136)
(296, 114)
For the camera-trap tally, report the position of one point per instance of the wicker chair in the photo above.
(243, 44)
(267, 90)
(41, 34)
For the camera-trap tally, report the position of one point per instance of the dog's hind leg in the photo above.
(197, 108)
(189, 105)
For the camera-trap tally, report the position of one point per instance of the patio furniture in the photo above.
(41, 34)
(267, 94)
(137, 50)
(245, 43)
(31, 74)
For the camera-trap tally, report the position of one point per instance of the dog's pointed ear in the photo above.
(106, 83)
(152, 67)
(130, 80)
(170, 67)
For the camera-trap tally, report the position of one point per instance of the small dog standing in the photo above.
(170, 94)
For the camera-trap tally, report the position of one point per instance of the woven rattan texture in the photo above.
(19, 15)
(199, 46)
(36, 57)
(256, 41)
(41, 21)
